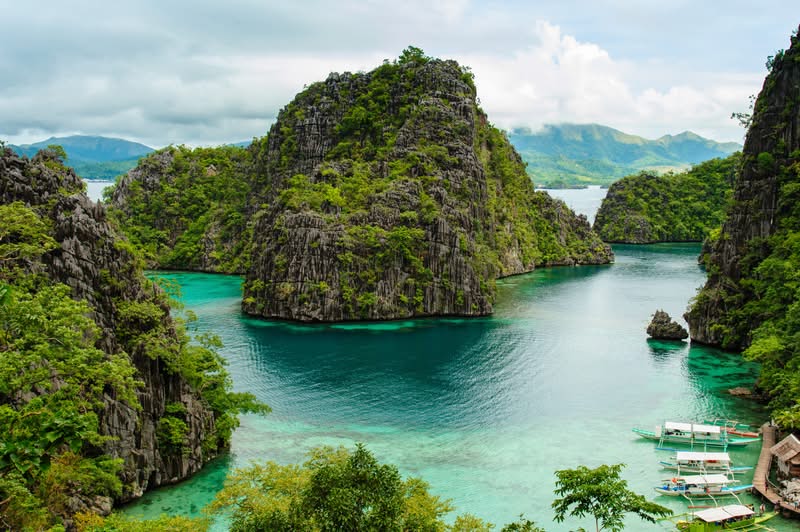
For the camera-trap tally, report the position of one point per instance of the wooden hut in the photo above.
(787, 456)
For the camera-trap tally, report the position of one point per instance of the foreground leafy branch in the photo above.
(601, 493)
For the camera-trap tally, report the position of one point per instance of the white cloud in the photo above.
(207, 73)
(561, 79)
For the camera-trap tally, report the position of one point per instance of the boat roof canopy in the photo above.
(724, 512)
(671, 425)
(703, 457)
(691, 427)
(705, 479)
(706, 428)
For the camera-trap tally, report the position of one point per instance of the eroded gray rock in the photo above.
(663, 327)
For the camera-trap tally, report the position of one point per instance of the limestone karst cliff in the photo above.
(748, 261)
(388, 194)
(172, 427)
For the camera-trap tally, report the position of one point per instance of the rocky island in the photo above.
(663, 327)
(389, 195)
(376, 195)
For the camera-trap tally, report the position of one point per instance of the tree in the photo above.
(522, 525)
(335, 489)
(601, 493)
(412, 54)
(58, 151)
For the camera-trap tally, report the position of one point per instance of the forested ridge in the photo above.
(190, 209)
(673, 207)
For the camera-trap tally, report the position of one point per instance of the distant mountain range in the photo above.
(563, 155)
(583, 154)
(93, 157)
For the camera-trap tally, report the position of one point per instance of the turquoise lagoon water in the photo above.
(483, 409)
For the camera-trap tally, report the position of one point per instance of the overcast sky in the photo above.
(200, 73)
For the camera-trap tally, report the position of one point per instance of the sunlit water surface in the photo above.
(483, 409)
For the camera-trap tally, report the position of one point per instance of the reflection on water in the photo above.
(485, 410)
(663, 351)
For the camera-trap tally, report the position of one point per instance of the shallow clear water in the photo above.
(484, 409)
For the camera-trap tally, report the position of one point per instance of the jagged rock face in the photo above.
(388, 196)
(93, 261)
(758, 211)
(663, 327)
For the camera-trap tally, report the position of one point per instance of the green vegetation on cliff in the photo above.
(73, 367)
(648, 208)
(187, 208)
(751, 300)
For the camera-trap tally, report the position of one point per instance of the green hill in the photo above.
(673, 207)
(93, 157)
(582, 154)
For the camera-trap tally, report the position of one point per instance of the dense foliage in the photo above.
(687, 206)
(106, 171)
(52, 382)
(337, 490)
(187, 208)
(602, 494)
(752, 298)
(58, 373)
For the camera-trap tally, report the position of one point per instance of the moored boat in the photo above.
(703, 462)
(729, 517)
(701, 486)
(734, 428)
(693, 434)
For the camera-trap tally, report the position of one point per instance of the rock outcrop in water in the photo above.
(663, 327)
(133, 316)
(389, 195)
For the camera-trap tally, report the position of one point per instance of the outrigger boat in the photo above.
(701, 486)
(692, 434)
(734, 428)
(696, 462)
(729, 517)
